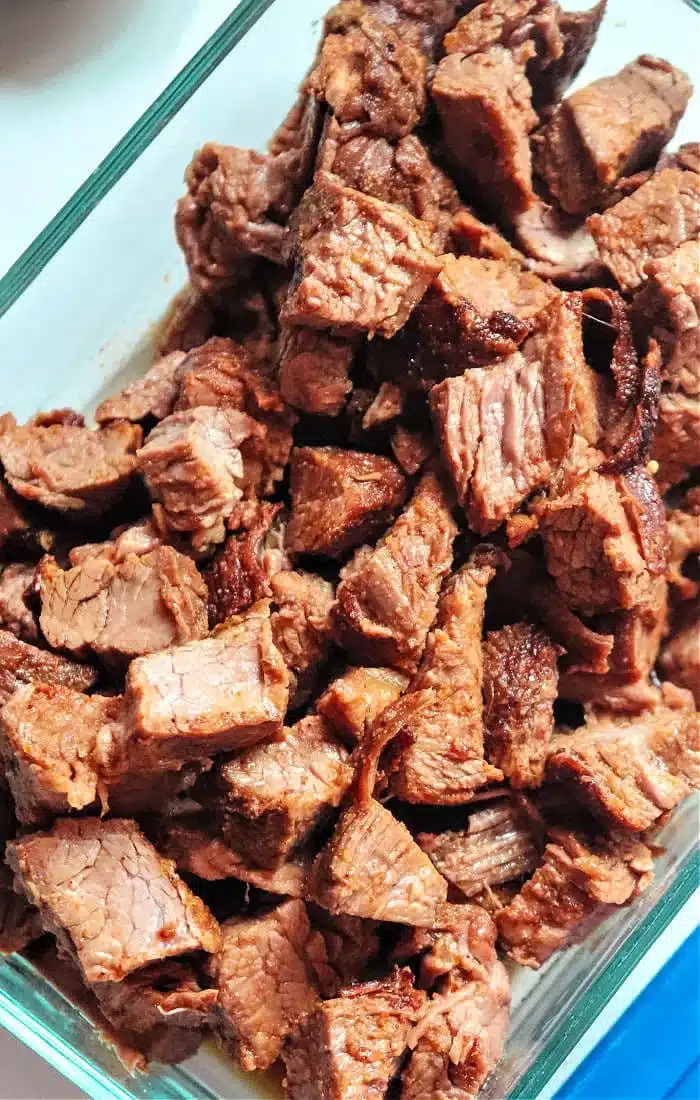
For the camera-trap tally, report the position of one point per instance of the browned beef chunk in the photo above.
(676, 445)
(367, 74)
(372, 868)
(552, 75)
(631, 771)
(351, 1047)
(684, 538)
(385, 607)
(153, 394)
(239, 575)
(15, 582)
(484, 102)
(520, 686)
(340, 499)
(314, 369)
(388, 403)
(586, 649)
(272, 798)
(301, 628)
(648, 225)
(69, 468)
(113, 904)
(605, 540)
(266, 983)
(578, 876)
(557, 246)
(21, 663)
(361, 263)
(138, 538)
(668, 308)
(411, 449)
(294, 144)
(609, 129)
(19, 921)
(438, 756)
(500, 23)
(355, 700)
(680, 657)
(19, 533)
(400, 173)
(472, 237)
(194, 469)
(420, 22)
(141, 604)
(225, 692)
(477, 310)
(351, 943)
(498, 844)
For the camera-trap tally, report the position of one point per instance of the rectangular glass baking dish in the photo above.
(77, 314)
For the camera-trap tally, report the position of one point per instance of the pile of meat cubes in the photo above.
(356, 650)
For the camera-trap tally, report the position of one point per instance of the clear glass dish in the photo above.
(77, 312)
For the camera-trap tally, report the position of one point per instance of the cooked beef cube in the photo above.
(314, 369)
(271, 799)
(421, 22)
(351, 943)
(631, 771)
(19, 921)
(16, 580)
(352, 1046)
(460, 1036)
(668, 308)
(578, 31)
(225, 692)
(112, 903)
(684, 538)
(213, 263)
(373, 868)
(520, 686)
(340, 499)
(153, 394)
(557, 246)
(650, 224)
(361, 263)
(301, 629)
(193, 467)
(139, 538)
(297, 136)
(266, 983)
(605, 540)
(484, 102)
(21, 663)
(464, 937)
(142, 604)
(472, 237)
(388, 403)
(401, 173)
(500, 23)
(498, 844)
(48, 744)
(438, 722)
(385, 607)
(680, 657)
(611, 128)
(578, 876)
(18, 535)
(587, 650)
(677, 443)
(239, 575)
(68, 468)
(351, 703)
(367, 75)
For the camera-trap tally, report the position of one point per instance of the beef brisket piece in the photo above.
(484, 103)
(153, 394)
(680, 657)
(557, 246)
(684, 538)
(577, 30)
(351, 1046)
(138, 538)
(579, 876)
(631, 771)
(239, 575)
(650, 224)
(69, 468)
(438, 754)
(194, 470)
(314, 369)
(520, 686)
(676, 445)
(225, 692)
(667, 307)
(265, 978)
(21, 663)
(300, 624)
(605, 540)
(272, 798)
(118, 611)
(367, 74)
(340, 499)
(385, 607)
(412, 449)
(112, 903)
(19, 921)
(361, 264)
(498, 844)
(353, 702)
(351, 944)
(16, 580)
(373, 868)
(611, 128)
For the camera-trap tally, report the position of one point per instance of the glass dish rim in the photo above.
(76, 1066)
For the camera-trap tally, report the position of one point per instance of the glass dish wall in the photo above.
(76, 314)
